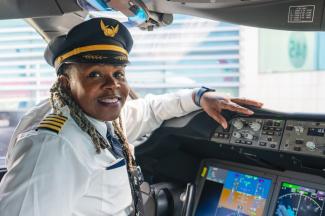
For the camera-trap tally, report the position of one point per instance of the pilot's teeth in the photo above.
(109, 100)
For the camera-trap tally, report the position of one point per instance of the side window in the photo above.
(24, 76)
(8, 122)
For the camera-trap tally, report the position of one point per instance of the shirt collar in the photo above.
(101, 126)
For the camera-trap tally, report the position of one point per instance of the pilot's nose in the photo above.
(111, 82)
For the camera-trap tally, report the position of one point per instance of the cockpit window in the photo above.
(281, 68)
(287, 51)
(284, 69)
(192, 52)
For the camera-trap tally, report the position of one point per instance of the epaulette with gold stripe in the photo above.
(53, 122)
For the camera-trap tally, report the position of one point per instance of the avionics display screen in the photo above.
(226, 192)
(316, 132)
(296, 200)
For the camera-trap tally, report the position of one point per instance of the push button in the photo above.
(262, 143)
(289, 128)
(269, 123)
(297, 148)
(226, 129)
(248, 142)
(299, 142)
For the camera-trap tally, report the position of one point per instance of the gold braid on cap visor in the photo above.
(98, 47)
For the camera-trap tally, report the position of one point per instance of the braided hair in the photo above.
(61, 96)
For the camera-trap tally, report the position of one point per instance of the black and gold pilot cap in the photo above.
(98, 40)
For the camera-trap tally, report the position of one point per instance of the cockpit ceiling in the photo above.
(301, 15)
(16, 9)
(13, 9)
(158, 5)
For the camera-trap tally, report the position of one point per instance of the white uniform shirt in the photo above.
(61, 174)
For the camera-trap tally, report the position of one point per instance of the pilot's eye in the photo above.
(94, 74)
(119, 75)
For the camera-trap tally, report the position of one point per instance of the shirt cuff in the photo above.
(187, 102)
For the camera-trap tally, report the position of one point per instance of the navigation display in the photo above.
(296, 200)
(227, 193)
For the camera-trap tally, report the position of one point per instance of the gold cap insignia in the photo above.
(94, 57)
(109, 31)
(121, 58)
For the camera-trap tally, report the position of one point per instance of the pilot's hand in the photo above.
(212, 103)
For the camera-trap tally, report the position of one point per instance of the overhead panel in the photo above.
(301, 15)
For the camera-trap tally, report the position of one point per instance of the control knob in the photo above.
(256, 126)
(236, 134)
(248, 136)
(238, 124)
(311, 146)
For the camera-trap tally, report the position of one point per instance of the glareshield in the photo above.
(135, 14)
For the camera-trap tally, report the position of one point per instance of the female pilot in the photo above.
(71, 155)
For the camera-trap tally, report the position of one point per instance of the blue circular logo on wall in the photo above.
(297, 49)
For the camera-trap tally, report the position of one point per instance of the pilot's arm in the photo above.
(142, 116)
(45, 178)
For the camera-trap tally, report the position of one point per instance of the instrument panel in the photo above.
(292, 136)
(270, 163)
(304, 137)
(235, 189)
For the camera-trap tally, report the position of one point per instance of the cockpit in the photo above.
(270, 163)
(267, 164)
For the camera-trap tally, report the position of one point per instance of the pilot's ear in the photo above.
(65, 81)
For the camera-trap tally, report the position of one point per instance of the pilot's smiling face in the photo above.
(99, 89)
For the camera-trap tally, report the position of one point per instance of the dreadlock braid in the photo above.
(61, 97)
(119, 131)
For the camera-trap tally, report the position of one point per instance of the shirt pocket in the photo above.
(116, 190)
